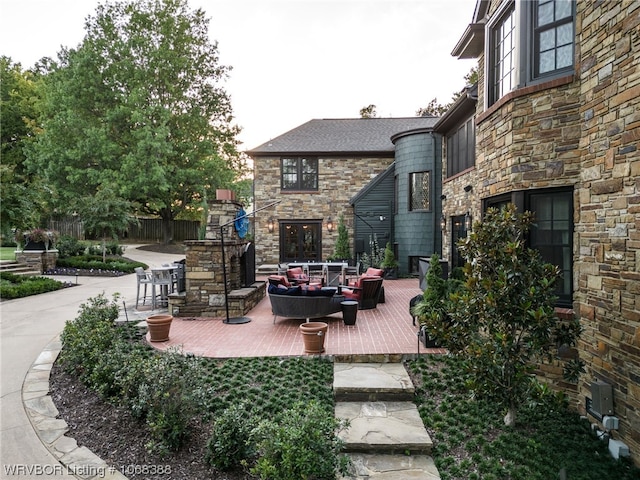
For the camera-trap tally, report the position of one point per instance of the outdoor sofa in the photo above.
(302, 301)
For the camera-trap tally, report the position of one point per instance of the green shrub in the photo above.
(167, 390)
(89, 337)
(95, 262)
(112, 248)
(18, 286)
(302, 443)
(230, 443)
(70, 247)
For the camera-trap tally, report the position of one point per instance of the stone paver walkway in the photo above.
(386, 439)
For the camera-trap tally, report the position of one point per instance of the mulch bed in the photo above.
(119, 439)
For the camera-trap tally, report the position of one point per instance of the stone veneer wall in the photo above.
(41, 260)
(204, 273)
(340, 178)
(608, 206)
(583, 131)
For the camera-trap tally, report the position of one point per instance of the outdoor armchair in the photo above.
(366, 292)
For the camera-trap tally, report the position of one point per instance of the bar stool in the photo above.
(142, 278)
(160, 278)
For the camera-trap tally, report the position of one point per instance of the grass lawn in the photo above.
(7, 253)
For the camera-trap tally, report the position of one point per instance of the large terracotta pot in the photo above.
(159, 326)
(313, 335)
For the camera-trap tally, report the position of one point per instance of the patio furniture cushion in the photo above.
(374, 272)
(315, 290)
(278, 280)
(297, 276)
(282, 290)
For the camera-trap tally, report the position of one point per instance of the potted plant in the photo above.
(389, 263)
(37, 239)
(433, 309)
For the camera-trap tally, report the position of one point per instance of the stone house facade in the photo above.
(557, 126)
(317, 171)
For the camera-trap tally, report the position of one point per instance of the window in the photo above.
(461, 148)
(552, 232)
(420, 191)
(553, 36)
(528, 42)
(503, 54)
(552, 235)
(299, 173)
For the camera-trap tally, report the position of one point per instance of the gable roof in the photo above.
(354, 136)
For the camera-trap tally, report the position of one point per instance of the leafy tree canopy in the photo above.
(22, 196)
(368, 112)
(137, 108)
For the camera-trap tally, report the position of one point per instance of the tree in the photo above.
(503, 319)
(433, 109)
(22, 202)
(106, 215)
(368, 112)
(342, 251)
(137, 108)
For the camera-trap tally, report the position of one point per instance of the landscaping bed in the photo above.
(18, 286)
(470, 441)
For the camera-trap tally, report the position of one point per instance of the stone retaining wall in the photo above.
(41, 260)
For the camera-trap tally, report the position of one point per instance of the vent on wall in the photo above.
(601, 401)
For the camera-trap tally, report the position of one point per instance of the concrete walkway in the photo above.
(27, 328)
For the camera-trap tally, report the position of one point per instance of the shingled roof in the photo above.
(343, 136)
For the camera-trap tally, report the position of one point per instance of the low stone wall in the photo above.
(40, 260)
(241, 302)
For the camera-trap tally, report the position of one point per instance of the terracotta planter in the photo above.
(313, 334)
(159, 326)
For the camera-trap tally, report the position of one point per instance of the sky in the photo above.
(292, 60)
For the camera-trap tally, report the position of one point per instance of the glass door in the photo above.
(300, 241)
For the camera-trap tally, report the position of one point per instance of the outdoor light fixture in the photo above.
(443, 223)
(330, 224)
(468, 188)
(270, 225)
(468, 221)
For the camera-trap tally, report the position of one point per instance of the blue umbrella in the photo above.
(242, 223)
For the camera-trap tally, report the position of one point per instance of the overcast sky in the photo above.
(293, 60)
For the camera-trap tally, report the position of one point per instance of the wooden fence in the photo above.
(148, 229)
